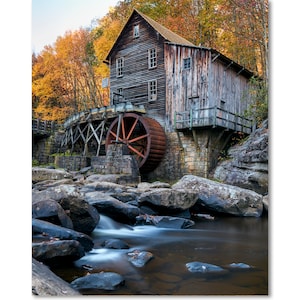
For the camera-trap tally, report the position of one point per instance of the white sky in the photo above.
(52, 18)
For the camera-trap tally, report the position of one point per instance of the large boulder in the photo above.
(84, 216)
(49, 210)
(113, 208)
(41, 174)
(223, 198)
(52, 231)
(173, 199)
(247, 163)
(57, 251)
(57, 193)
(46, 283)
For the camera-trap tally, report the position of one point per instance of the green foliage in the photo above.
(258, 109)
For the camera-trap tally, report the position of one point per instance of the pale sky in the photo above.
(52, 18)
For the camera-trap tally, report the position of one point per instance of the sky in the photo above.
(52, 18)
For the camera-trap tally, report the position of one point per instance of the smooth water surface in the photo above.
(220, 242)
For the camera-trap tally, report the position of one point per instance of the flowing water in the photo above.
(220, 242)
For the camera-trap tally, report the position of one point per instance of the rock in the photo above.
(204, 268)
(84, 216)
(53, 231)
(164, 221)
(57, 251)
(100, 178)
(146, 186)
(247, 166)
(41, 174)
(266, 203)
(172, 199)
(239, 266)
(56, 193)
(49, 210)
(42, 185)
(113, 208)
(46, 283)
(222, 197)
(110, 187)
(140, 258)
(115, 244)
(108, 281)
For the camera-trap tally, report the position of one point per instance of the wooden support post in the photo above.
(119, 126)
(85, 150)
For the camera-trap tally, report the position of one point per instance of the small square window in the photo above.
(186, 63)
(136, 31)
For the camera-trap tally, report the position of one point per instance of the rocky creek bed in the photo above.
(67, 207)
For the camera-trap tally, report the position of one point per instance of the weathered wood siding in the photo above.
(206, 94)
(136, 73)
(187, 89)
(229, 93)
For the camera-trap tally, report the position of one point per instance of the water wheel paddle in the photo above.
(144, 137)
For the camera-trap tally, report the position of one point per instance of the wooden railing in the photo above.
(43, 127)
(212, 116)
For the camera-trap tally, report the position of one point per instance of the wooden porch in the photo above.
(212, 116)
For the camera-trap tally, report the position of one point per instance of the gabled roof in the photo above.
(167, 34)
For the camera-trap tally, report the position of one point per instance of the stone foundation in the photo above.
(190, 152)
(72, 163)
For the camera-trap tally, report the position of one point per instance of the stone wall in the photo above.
(190, 152)
(44, 146)
(72, 163)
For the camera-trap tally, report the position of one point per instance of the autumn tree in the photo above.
(64, 80)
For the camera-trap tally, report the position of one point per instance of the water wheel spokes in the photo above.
(143, 136)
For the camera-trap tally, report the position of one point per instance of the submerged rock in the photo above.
(200, 267)
(140, 258)
(108, 281)
(115, 244)
(164, 221)
(239, 266)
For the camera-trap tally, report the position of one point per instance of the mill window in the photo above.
(152, 90)
(136, 31)
(152, 58)
(120, 66)
(186, 63)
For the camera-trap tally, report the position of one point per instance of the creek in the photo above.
(221, 242)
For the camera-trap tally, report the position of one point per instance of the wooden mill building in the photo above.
(196, 94)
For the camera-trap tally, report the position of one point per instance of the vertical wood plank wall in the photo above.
(206, 85)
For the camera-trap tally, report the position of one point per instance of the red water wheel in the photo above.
(144, 137)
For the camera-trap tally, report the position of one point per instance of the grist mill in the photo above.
(174, 106)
